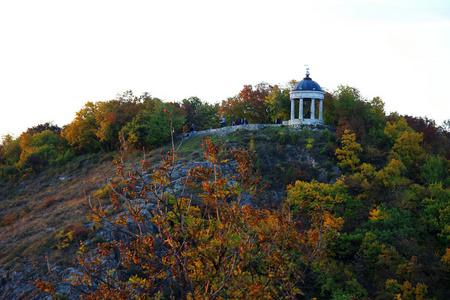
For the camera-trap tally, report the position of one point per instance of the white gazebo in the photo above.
(309, 94)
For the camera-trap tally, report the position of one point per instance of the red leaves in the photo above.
(249, 104)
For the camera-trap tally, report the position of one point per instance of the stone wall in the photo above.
(224, 131)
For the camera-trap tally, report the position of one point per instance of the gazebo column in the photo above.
(300, 109)
(313, 108)
(321, 110)
(292, 109)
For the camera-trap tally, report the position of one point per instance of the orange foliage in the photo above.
(218, 248)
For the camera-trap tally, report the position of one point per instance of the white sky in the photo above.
(57, 55)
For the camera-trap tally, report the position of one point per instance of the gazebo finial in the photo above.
(307, 70)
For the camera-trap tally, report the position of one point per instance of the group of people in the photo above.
(191, 133)
(239, 122)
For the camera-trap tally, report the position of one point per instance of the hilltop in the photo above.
(354, 210)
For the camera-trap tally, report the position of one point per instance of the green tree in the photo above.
(11, 150)
(437, 211)
(348, 110)
(202, 114)
(278, 103)
(152, 126)
(434, 171)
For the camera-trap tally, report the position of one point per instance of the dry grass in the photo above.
(41, 206)
(35, 210)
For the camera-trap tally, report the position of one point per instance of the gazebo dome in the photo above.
(307, 84)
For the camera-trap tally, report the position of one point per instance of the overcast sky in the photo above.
(57, 55)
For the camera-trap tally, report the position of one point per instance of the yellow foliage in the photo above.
(377, 214)
(367, 170)
(317, 201)
(410, 292)
(348, 153)
(445, 260)
(395, 130)
(407, 147)
(406, 291)
(391, 176)
(65, 238)
(309, 144)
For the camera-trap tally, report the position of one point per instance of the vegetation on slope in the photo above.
(385, 221)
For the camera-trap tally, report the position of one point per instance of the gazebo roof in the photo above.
(307, 84)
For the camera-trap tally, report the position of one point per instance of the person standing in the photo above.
(223, 122)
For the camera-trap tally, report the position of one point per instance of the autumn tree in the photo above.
(249, 104)
(81, 132)
(39, 149)
(112, 116)
(348, 153)
(407, 146)
(256, 98)
(351, 110)
(232, 108)
(97, 126)
(205, 241)
(432, 139)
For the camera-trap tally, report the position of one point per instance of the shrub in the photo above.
(8, 220)
(202, 244)
(49, 202)
(64, 158)
(104, 193)
(81, 232)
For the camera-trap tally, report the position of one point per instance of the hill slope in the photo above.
(38, 211)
